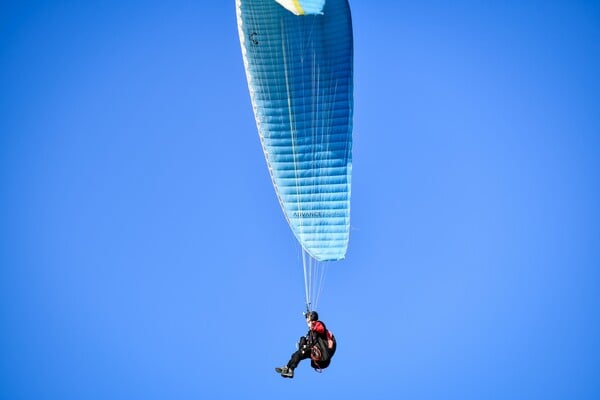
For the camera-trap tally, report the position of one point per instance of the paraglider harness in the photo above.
(321, 348)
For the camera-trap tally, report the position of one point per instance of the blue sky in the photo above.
(143, 253)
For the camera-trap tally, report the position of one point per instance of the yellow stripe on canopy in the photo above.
(299, 9)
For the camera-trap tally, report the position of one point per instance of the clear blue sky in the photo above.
(143, 253)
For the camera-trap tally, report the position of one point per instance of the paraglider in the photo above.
(319, 345)
(298, 58)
